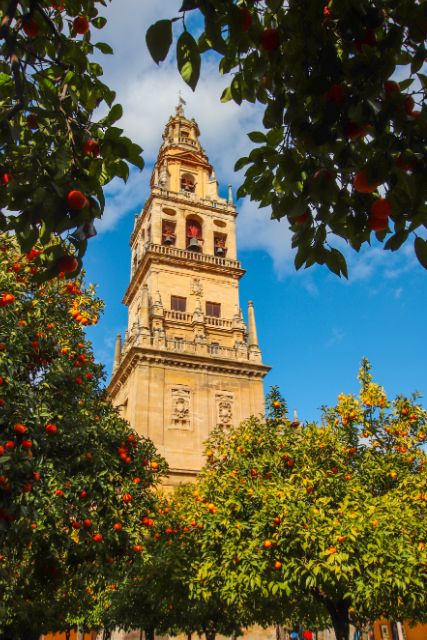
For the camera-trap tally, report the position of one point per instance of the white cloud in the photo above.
(257, 231)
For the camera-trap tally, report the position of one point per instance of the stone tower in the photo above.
(187, 363)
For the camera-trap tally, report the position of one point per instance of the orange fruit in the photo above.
(362, 184)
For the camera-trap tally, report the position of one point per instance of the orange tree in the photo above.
(160, 597)
(55, 156)
(329, 516)
(156, 595)
(74, 477)
(342, 154)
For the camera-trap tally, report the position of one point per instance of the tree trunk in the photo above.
(340, 619)
(149, 633)
(210, 633)
(279, 632)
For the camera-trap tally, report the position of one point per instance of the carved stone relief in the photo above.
(224, 409)
(196, 287)
(180, 408)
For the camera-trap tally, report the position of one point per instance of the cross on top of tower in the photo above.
(180, 106)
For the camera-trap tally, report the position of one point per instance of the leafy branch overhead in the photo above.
(55, 157)
(343, 156)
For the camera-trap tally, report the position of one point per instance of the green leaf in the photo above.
(226, 95)
(4, 79)
(99, 22)
(241, 162)
(188, 59)
(257, 136)
(114, 115)
(104, 48)
(420, 246)
(159, 39)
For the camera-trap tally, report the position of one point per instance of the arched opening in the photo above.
(220, 245)
(188, 183)
(194, 235)
(168, 233)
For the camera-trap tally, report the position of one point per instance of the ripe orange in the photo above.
(355, 131)
(117, 526)
(409, 105)
(391, 87)
(81, 25)
(91, 147)
(77, 200)
(303, 218)
(277, 564)
(51, 429)
(381, 208)
(377, 224)
(31, 28)
(269, 39)
(267, 544)
(361, 183)
(336, 94)
(331, 550)
(20, 429)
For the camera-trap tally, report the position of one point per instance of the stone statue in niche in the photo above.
(224, 410)
(196, 287)
(180, 408)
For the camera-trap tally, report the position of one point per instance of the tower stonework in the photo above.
(187, 362)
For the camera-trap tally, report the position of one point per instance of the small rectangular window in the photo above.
(178, 303)
(213, 309)
(178, 343)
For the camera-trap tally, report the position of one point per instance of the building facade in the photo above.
(188, 362)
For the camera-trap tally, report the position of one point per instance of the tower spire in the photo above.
(252, 334)
(117, 352)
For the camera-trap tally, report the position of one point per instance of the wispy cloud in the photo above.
(337, 336)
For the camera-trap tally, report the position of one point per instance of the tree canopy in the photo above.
(74, 478)
(55, 156)
(318, 518)
(342, 155)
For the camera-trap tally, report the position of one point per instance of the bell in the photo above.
(193, 245)
(219, 251)
(168, 240)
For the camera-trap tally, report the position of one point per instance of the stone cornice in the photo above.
(137, 355)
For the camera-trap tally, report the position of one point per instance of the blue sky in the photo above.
(313, 327)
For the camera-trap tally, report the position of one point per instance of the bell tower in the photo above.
(187, 363)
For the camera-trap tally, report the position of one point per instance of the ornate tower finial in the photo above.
(180, 105)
